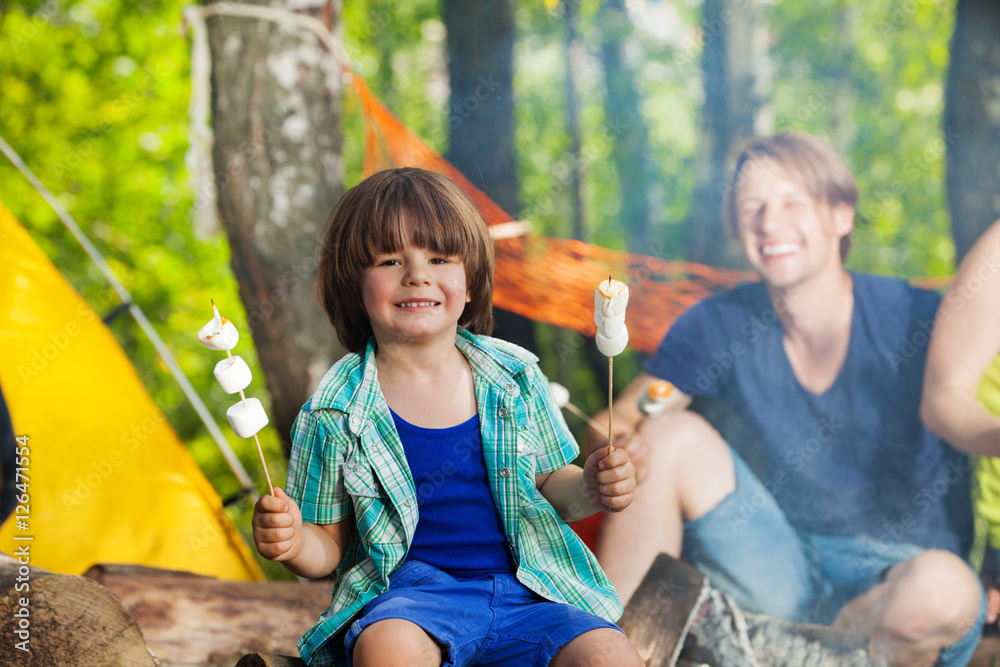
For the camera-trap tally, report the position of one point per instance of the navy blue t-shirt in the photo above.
(854, 460)
(459, 530)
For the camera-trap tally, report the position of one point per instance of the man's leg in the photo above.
(700, 492)
(928, 606)
(690, 470)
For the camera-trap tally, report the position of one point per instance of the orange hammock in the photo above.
(548, 279)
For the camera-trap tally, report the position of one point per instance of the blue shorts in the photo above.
(495, 620)
(749, 550)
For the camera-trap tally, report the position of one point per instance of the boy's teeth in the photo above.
(416, 304)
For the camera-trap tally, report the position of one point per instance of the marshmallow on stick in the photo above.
(654, 399)
(246, 417)
(610, 299)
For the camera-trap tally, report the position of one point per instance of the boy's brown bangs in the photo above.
(410, 217)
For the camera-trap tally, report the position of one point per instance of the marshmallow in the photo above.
(218, 333)
(611, 297)
(653, 400)
(560, 394)
(609, 327)
(611, 347)
(234, 375)
(247, 419)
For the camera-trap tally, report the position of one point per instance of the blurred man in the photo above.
(819, 496)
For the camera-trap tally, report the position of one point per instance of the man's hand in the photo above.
(611, 478)
(277, 526)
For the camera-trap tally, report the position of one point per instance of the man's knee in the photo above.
(933, 593)
(680, 438)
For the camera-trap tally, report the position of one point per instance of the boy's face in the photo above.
(414, 295)
(786, 235)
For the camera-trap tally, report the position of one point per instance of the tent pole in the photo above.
(234, 463)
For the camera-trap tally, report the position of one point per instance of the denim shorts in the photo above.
(495, 620)
(749, 550)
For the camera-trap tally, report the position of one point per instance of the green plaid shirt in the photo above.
(347, 457)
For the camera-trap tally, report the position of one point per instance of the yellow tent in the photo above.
(108, 481)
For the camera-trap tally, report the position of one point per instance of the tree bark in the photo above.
(735, 70)
(972, 122)
(480, 45)
(189, 619)
(623, 110)
(64, 620)
(276, 117)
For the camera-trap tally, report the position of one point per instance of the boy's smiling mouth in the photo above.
(418, 304)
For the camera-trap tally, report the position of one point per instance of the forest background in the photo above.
(94, 95)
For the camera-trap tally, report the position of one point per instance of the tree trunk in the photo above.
(481, 115)
(735, 69)
(623, 110)
(276, 118)
(572, 54)
(972, 122)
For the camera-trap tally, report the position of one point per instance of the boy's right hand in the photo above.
(277, 526)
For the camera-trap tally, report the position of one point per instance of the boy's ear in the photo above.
(468, 295)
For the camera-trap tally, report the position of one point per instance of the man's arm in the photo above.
(966, 338)
(626, 413)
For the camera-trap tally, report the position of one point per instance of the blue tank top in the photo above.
(459, 530)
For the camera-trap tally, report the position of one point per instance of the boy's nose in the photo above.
(416, 275)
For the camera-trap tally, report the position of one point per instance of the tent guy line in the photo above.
(140, 317)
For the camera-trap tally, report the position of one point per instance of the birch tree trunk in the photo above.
(277, 160)
(972, 122)
(735, 68)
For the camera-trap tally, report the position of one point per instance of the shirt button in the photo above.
(502, 412)
(508, 386)
(520, 448)
(505, 472)
(355, 421)
(407, 502)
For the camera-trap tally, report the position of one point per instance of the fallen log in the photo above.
(64, 619)
(270, 660)
(676, 617)
(192, 619)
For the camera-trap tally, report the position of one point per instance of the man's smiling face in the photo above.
(786, 235)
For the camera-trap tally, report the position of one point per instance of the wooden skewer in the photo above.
(590, 422)
(611, 375)
(260, 451)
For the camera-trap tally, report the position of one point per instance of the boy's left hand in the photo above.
(610, 477)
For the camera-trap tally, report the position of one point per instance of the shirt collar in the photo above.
(351, 385)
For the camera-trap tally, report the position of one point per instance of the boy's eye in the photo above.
(386, 262)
